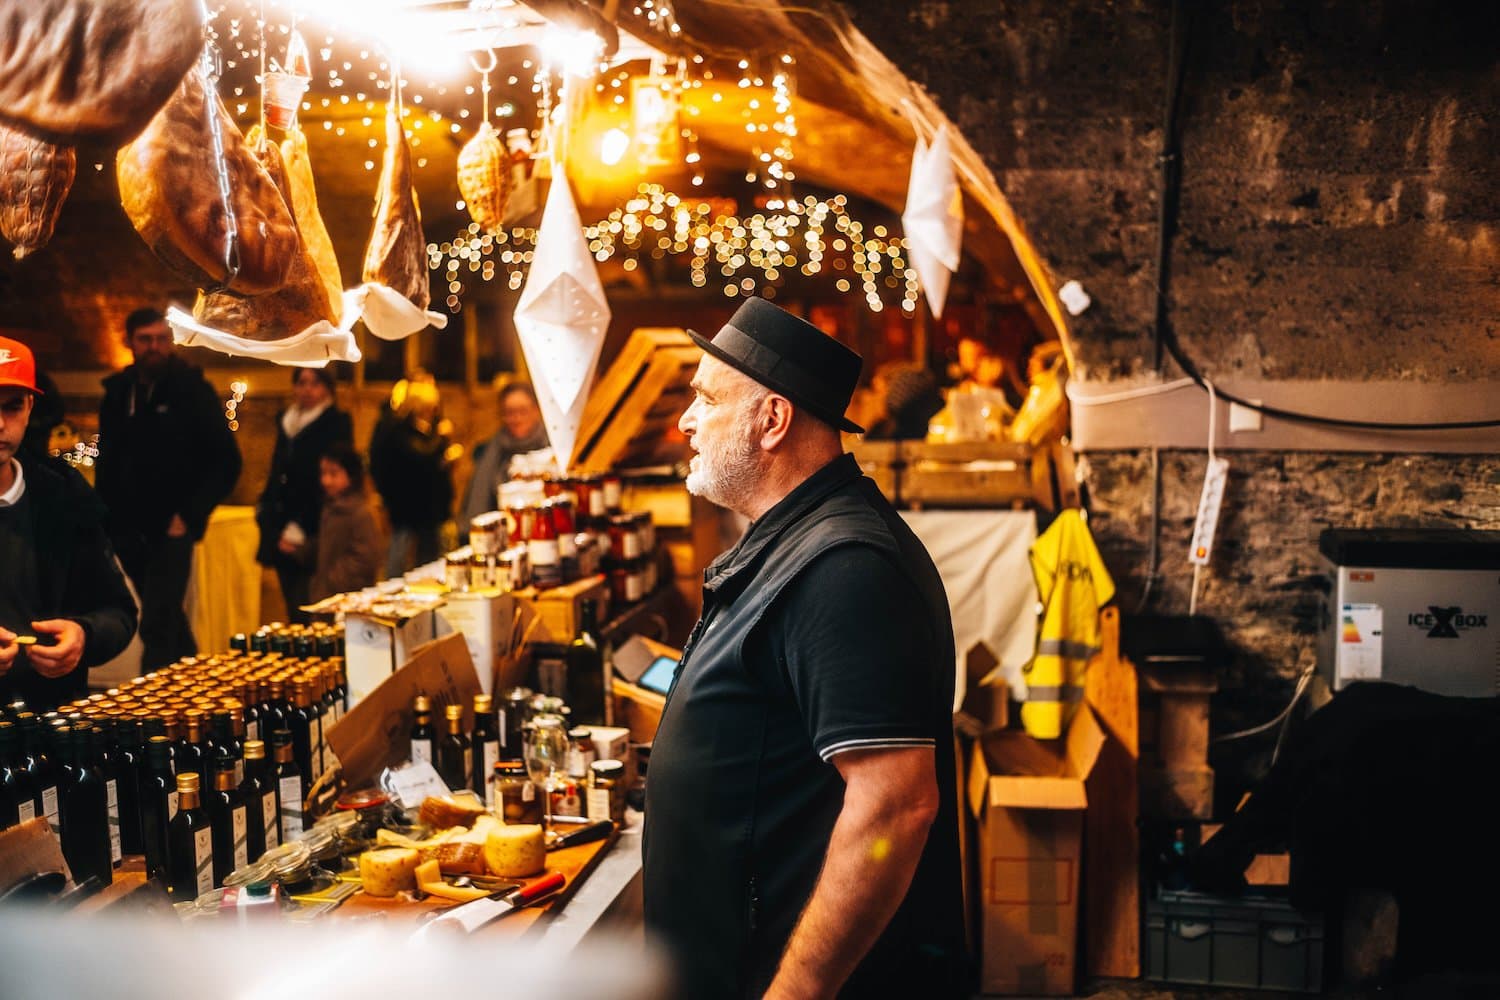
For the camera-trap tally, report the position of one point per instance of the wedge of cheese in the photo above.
(388, 870)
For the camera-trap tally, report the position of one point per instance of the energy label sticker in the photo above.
(1360, 627)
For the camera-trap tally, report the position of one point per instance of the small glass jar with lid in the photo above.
(606, 792)
(516, 798)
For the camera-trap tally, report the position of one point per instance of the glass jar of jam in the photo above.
(624, 540)
(613, 491)
(606, 791)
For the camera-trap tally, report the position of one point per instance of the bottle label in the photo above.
(241, 828)
(490, 757)
(203, 859)
(630, 545)
(112, 802)
(252, 730)
(421, 750)
(49, 808)
(27, 810)
(291, 807)
(528, 792)
(598, 803)
(239, 771)
(468, 767)
(574, 763)
(543, 552)
(171, 805)
(268, 815)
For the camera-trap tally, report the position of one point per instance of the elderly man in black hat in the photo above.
(801, 823)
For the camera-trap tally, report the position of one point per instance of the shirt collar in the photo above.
(12, 496)
(788, 510)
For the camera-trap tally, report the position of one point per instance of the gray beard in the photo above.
(730, 478)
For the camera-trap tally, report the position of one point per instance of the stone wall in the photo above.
(1338, 220)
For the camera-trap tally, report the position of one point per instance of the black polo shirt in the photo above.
(825, 629)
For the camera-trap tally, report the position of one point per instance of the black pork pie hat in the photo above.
(791, 357)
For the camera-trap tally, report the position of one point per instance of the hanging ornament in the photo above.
(562, 318)
(484, 167)
(934, 218)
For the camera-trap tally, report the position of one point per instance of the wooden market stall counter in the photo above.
(575, 863)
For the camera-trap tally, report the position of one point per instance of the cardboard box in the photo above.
(558, 608)
(1029, 799)
(375, 647)
(375, 734)
(490, 627)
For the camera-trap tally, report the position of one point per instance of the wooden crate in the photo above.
(983, 474)
(631, 417)
(558, 608)
(882, 462)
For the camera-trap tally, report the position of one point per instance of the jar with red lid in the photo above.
(522, 518)
(624, 540)
(543, 553)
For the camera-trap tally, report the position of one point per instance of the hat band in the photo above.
(774, 370)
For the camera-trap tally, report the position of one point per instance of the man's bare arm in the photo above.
(890, 801)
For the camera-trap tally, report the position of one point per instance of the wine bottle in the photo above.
(455, 760)
(422, 736)
(587, 686)
(106, 762)
(228, 820)
(39, 768)
(83, 808)
(290, 790)
(158, 803)
(484, 743)
(17, 799)
(258, 792)
(192, 754)
(130, 764)
(190, 837)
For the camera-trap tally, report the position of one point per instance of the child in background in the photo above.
(349, 544)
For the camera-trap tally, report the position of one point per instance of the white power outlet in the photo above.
(1215, 477)
(1243, 418)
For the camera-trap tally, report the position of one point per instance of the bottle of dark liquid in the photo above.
(484, 744)
(17, 797)
(229, 820)
(587, 686)
(106, 762)
(455, 761)
(341, 682)
(290, 789)
(274, 716)
(84, 809)
(259, 793)
(192, 754)
(422, 736)
(190, 842)
(130, 764)
(318, 713)
(40, 768)
(513, 717)
(222, 741)
(158, 802)
(300, 722)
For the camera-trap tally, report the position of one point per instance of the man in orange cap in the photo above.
(64, 606)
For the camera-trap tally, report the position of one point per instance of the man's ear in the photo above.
(775, 421)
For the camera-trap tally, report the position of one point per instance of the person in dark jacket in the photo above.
(348, 539)
(59, 584)
(521, 431)
(166, 459)
(288, 509)
(410, 458)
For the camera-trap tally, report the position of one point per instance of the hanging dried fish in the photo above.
(35, 177)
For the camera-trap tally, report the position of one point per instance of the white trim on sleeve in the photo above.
(876, 743)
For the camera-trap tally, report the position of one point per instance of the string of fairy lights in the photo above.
(811, 236)
(754, 251)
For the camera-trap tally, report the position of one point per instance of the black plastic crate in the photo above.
(1252, 942)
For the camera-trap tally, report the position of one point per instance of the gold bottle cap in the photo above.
(421, 704)
(255, 750)
(453, 712)
(187, 782)
(483, 704)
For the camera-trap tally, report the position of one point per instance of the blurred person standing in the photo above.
(166, 458)
(289, 506)
(64, 606)
(348, 538)
(410, 460)
(520, 431)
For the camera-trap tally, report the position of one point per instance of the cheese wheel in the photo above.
(388, 870)
(515, 851)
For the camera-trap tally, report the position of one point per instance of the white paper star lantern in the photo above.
(561, 319)
(934, 218)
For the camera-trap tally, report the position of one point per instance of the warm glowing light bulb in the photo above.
(613, 146)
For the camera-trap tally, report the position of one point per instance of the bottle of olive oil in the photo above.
(191, 842)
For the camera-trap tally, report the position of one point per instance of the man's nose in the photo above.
(687, 423)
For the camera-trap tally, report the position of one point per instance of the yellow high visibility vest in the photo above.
(1072, 584)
